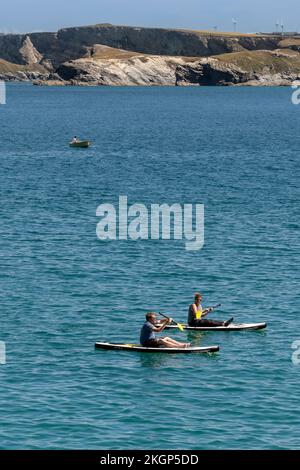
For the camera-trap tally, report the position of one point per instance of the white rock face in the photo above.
(106, 66)
(115, 67)
(29, 53)
(135, 71)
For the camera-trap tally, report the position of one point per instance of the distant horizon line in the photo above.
(13, 31)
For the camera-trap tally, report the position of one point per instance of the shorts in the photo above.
(206, 323)
(153, 343)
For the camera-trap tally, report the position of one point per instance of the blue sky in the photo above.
(50, 15)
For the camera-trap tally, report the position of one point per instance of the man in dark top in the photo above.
(196, 314)
(148, 338)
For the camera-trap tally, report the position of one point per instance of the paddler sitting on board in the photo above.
(196, 314)
(148, 338)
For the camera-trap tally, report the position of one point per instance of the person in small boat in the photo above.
(74, 140)
(196, 314)
(148, 338)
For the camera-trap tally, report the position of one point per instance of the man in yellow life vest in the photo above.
(196, 314)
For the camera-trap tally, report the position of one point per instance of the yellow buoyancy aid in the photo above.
(199, 313)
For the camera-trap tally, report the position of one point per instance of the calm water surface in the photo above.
(234, 149)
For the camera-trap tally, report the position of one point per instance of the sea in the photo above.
(233, 149)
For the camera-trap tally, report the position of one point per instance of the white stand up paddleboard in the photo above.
(139, 348)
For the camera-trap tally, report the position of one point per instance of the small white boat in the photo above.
(80, 144)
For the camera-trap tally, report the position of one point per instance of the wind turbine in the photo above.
(277, 26)
(282, 27)
(234, 21)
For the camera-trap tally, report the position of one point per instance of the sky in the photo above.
(51, 15)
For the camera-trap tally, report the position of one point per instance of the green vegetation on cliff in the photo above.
(279, 61)
(114, 55)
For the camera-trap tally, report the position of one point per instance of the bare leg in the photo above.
(172, 343)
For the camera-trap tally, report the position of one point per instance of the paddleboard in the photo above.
(231, 327)
(139, 348)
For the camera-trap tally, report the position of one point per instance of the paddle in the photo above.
(213, 308)
(181, 327)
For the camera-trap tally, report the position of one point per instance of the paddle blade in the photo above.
(181, 327)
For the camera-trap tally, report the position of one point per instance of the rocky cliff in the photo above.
(252, 68)
(121, 55)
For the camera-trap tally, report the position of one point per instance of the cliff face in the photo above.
(138, 70)
(162, 41)
(71, 43)
(10, 45)
(114, 67)
(29, 53)
(121, 55)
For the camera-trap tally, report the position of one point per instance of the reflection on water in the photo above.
(154, 359)
(195, 337)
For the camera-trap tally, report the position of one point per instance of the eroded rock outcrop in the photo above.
(122, 55)
(137, 70)
(113, 67)
(71, 43)
(17, 72)
(254, 68)
(30, 55)
(210, 72)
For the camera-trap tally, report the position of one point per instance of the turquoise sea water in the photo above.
(234, 149)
